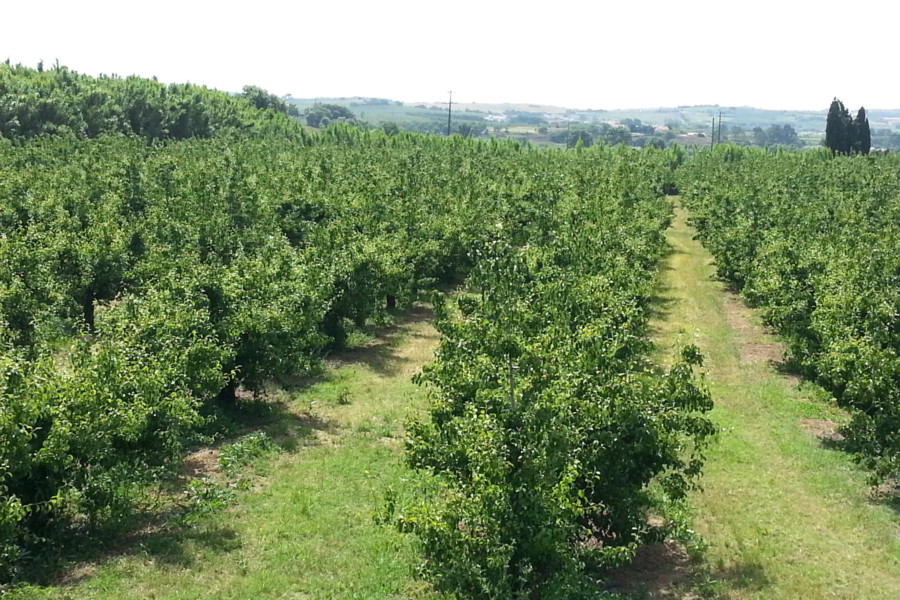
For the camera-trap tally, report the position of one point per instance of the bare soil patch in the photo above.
(756, 345)
(822, 429)
(659, 571)
(202, 463)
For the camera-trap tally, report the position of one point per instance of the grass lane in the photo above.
(305, 529)
(783, 515)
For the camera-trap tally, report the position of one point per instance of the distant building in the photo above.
(559, 119)
(497, 118)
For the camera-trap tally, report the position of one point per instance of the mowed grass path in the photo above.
(783, 515)
(306, 528)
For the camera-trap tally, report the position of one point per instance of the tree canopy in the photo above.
(775, 135)
(262, 99)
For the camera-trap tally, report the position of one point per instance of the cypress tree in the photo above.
(843, 135)
(834, 127)
(862, 138)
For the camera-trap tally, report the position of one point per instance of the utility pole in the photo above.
(449, 112)
(712, 138)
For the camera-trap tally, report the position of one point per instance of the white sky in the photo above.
(592, 54)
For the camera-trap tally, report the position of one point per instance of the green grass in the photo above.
(305, 528)
(783, 515)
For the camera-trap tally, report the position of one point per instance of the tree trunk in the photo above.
(228, 395)
(87, 305)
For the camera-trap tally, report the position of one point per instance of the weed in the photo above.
(201, 497)
(233, 458)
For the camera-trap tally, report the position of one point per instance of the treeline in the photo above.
(588, 135)
(813, 239)
(773, 135)
(36, 102)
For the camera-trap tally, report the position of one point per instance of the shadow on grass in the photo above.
(174, 547)
(790, 368)
(74, 559)
(745, 576)
(665, 571)
(379, 354)
(833, 436)
(661, 302)
(156, 531)
(887, 494)
(661, 570)
(287, 428)
(660, 306)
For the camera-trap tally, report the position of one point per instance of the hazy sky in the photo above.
(592, 54)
